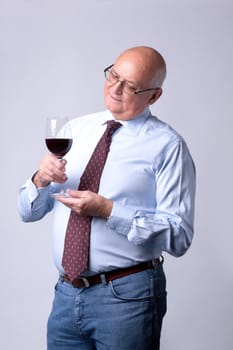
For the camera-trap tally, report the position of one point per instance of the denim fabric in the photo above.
(125, 314)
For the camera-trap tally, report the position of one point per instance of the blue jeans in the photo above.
(125, 314)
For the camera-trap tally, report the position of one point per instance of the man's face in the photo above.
(127, 106)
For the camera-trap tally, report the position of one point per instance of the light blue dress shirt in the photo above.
(150, 177)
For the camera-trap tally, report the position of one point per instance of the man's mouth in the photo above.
(115, 98)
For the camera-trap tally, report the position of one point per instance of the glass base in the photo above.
(62, 194)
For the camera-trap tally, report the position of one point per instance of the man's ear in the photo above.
(156, 95)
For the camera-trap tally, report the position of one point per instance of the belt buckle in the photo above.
(157, 261)
(85, 281)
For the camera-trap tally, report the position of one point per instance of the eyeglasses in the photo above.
(126, 85)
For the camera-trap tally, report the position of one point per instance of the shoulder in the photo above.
(163, 132)
(168, 140)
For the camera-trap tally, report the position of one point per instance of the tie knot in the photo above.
(112, 125)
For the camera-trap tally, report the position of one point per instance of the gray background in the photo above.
(52, 56)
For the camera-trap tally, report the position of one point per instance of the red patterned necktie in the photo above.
(76, 248)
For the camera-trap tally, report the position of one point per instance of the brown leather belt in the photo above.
(89, 281)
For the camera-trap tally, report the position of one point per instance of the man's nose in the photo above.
(118, 87)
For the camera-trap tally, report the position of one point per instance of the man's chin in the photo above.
(114, 108)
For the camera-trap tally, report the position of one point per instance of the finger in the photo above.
(75, 193)
(69, 202)
(60, 163)
(56, 171)
(52, 174)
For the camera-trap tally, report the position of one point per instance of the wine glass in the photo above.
(58, 139)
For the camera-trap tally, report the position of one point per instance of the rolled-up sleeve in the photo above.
(34, 203)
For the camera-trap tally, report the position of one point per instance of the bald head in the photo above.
(135, 82)
(149, 61)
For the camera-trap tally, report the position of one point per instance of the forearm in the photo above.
(33, 202)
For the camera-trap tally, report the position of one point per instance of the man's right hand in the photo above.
(51, 169)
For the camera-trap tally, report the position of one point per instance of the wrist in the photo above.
(108, 209)
(38, 181)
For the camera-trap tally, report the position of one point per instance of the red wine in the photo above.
(59, 146)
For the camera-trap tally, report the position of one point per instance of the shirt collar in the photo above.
(133, 126)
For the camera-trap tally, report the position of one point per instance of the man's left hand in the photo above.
(87, 203)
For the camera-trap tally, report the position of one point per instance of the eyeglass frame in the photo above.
(137, 92)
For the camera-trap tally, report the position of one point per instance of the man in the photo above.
(144, 205)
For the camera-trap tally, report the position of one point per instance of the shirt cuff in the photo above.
(33, 191)
(121, 219)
